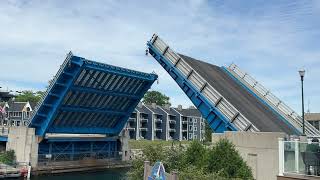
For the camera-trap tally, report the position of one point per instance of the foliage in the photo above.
(156, 97)
(32, 97)
(225, 159)
(8, 157)
(196, 161)
(196, 155)
(142, 144)
(208, 132)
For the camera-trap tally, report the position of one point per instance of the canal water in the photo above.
(110, 174)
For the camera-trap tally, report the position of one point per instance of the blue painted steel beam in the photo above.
(121, 124)
(91, 110)
(217, 121)
(81, 139)
(103, 92)
(83, 130)
(47, 119)
(116, 71)
(3, 138)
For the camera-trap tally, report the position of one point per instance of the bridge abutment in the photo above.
(24, 142)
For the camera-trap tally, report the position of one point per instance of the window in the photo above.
(190, 135)
(195, 137)
(195, 120)
(195, 128)
(190, 128)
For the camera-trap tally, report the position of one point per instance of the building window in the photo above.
(195, 128)
(195, 120)
(190, 128)
(190, 135)
(195, 137)
(190, 120)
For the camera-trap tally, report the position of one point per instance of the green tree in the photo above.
(8, 157)
(208, 132)
(224, 159)
(30, 96)
(156, 97)
(196, 155)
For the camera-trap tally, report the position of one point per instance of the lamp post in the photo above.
(302, 73)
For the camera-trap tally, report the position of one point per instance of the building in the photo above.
(313, 119)
(15, 113)
(155, 122)
(149, 122)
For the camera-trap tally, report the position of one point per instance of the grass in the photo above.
(140, 144)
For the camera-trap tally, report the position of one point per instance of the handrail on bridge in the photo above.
(272, 100)
(202, 86)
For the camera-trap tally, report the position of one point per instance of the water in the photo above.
(110, 174)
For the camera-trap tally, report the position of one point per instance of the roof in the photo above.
(189, 112)
(170, 111)
(244, 101)
(88, 97)
(312, 116)
(156, 110)
(16, 106)
(142, 109)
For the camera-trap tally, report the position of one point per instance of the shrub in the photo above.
(225, 160)
(8, 157)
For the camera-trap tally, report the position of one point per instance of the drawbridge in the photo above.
(85, 108)
(228, 98)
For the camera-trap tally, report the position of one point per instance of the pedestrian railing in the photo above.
(278, 105)
(202, 86)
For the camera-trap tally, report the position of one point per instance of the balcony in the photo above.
(132, 119)
(172, 121)
(158, 120)
(131, 128)
(184, 122)
(158, 130)
(184, 130)
(143, 129)
(172, 130)
(143, 120)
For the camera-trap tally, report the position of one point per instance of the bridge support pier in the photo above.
(24, 143)
(125, 145)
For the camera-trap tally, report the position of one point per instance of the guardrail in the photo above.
(226, 108)
(52, 82)
(273, 101)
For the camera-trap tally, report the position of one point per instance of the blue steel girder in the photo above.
(93, 110)
(217, 121)
(90, 97)
(73, 66)
(104, 92)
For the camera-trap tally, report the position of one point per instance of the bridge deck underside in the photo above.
(256, 112)
(90, 98)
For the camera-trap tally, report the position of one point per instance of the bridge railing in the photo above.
(220, 102)
(273, 101)
(51, 83)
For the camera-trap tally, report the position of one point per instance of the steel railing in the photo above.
(273, 101)
(51, 84)
(220, 102)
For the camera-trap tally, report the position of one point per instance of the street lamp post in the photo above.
(302, 73)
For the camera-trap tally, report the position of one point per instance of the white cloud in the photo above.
(269, 40)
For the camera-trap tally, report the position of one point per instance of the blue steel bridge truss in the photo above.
(216, 95)
(87, 97)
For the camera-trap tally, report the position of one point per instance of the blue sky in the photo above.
(271, 40)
